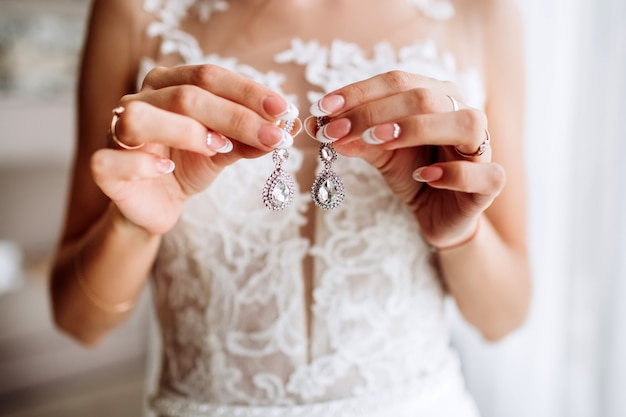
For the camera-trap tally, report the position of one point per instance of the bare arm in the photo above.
(489, 276)
(122, 201)
(95, 238)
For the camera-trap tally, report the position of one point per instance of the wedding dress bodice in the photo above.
(239, 337)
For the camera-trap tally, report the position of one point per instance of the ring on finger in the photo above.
(117, 112)
(481, 149)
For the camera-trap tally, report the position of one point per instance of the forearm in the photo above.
(489, 280)
(97, 279)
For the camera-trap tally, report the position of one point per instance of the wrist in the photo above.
(119, 307)
(126, 227)
(466, 238)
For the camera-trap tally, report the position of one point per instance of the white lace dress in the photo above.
(238, 337)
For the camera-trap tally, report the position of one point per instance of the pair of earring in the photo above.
(327, 191)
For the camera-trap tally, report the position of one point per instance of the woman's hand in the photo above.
(184, 126)
(409, 127)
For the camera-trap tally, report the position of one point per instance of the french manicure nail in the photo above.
(327, 105)
(291, 113)
(274, 137)
(428, 173)
(310, 126)
(228, 146)
(286, 140)
(381, 133)
(212, 143)
(165, 166)
(274, 104)
(331, 131)
(323, 136)
(417, 175)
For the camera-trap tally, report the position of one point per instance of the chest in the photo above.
(338, 35)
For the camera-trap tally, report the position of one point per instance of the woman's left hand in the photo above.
(432, 150)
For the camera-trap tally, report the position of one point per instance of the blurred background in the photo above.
(568, 360)
(43, 373)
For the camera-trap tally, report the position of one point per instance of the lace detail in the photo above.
(229, 282)
(341, 63)
(435, 9)
(229, 294)
(409, 401)
(170, 13)
(225, 261)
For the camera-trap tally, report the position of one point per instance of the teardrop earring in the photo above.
(327, 191)
(279, 187)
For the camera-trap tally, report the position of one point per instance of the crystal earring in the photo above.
(279, 187)
(327, 191)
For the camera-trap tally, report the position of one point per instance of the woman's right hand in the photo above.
(184, 116)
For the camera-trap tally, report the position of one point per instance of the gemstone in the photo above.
(327, 191)
(328, 154)
(280, 156)
(280, 193)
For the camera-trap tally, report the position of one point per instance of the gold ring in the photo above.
(117, 112)
(481, 149)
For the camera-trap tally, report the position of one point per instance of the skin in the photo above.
(122, 202)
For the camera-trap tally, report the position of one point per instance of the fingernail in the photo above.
(310, 126)
(286, 140)
(327, 105)
(334, 130)
(274, 137)
(323, 137)
(417, 175)
(228, 146)
(165, 166)
(218, 142)
(381, 133)
(274, 105)
(427, 174)
(291, 113)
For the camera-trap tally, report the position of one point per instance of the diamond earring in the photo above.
(279, 187)
(327, 191)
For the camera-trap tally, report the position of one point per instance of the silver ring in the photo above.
(481, 149)
(455, 104)
(117, 112)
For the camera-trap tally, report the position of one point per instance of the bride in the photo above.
(299, 272)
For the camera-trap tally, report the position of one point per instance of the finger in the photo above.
(226, 84)
(110, 167)
(217, 114)
(378, 87)
(486, 179)
(145, 123)
(464, 129)
(364, 120)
